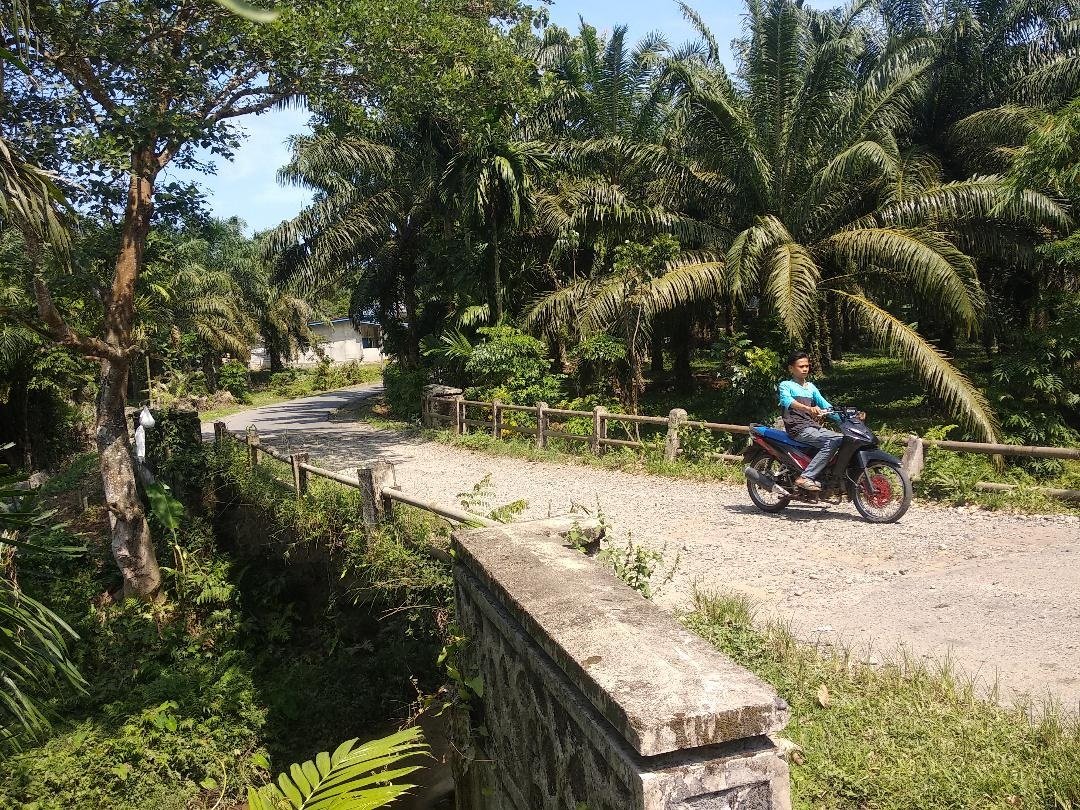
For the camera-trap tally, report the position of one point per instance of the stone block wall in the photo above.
(593, 697)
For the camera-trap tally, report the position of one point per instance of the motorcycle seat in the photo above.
(772, 434)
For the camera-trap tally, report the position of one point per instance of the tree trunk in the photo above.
(684, 348)
(824, 343)
(836, 330)
(132, 546)
(495, 291)
(412, 306)
(656, 364)
(209, 366)
(274, 354)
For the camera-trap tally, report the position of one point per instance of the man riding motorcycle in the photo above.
(803, 406)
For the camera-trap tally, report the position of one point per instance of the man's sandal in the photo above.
(809, 484)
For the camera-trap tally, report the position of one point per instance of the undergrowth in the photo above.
(904, 736)
(288, 628)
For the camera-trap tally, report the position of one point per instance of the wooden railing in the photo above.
(453, 412)
(376, 481)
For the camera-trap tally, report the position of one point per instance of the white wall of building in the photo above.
(339, 342)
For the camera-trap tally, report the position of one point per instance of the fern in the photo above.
(351, 778)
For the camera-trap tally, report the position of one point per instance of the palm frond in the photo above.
(921, 259)
(353, 777)
(941, 377)
(558, 309)
(691, 278)
(792, 286)
(31, 199)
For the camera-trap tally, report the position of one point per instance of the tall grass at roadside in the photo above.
(903, 736)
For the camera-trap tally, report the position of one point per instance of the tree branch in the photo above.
(228, 111)
(57, 330)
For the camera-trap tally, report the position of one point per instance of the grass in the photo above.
(907, 735)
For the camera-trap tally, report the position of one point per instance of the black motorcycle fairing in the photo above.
(869, 456)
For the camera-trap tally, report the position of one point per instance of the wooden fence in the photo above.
(376, 481)
(453, 412)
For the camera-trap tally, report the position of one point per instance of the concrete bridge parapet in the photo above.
(593, 697)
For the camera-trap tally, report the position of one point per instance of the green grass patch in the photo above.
(903, 736)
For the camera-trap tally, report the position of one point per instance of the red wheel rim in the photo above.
(879, 493)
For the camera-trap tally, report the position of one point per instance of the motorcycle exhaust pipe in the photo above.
(764, 481)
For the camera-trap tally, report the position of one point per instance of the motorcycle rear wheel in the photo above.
(881, 493)
(765, 499)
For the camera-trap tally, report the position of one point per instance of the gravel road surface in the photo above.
(998, 594)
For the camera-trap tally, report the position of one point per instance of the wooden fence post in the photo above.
(425, 406)
(374, 478)
(459, 415)
(253, 447)
(496, 419)
(671, 444)
(300, 476)
(599, 429)
(914, 458)
(541, 425)
(220, 432)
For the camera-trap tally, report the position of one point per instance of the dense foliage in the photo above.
(868, 177)
(190, 702)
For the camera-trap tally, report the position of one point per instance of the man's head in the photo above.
(799, 366)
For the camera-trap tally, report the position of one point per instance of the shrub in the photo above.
(751, 373)
(404, 387)
(233, 377)
(281, 382)
(512, 367)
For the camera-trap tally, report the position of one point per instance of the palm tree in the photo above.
(606, 110)
(490, 182)
(829, 211)
(989, 54)
(377, 191)
(193, 288)
(644, 284)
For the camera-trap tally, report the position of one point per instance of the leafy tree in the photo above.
(132, 112)
(115, 115)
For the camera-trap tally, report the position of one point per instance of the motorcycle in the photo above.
(872, 479)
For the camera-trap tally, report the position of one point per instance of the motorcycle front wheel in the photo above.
(881, 493)
(765, 499)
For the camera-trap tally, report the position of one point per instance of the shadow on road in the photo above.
(796, 514)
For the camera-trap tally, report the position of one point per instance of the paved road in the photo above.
(998, 594)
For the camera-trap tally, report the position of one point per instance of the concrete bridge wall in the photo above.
(592, 697)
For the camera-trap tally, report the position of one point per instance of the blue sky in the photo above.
(246, 187)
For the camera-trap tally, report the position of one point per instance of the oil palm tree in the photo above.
(606, 110)
(829, 210)
(645, 283)
(377, 191)
(490, 183)
(990, 54)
